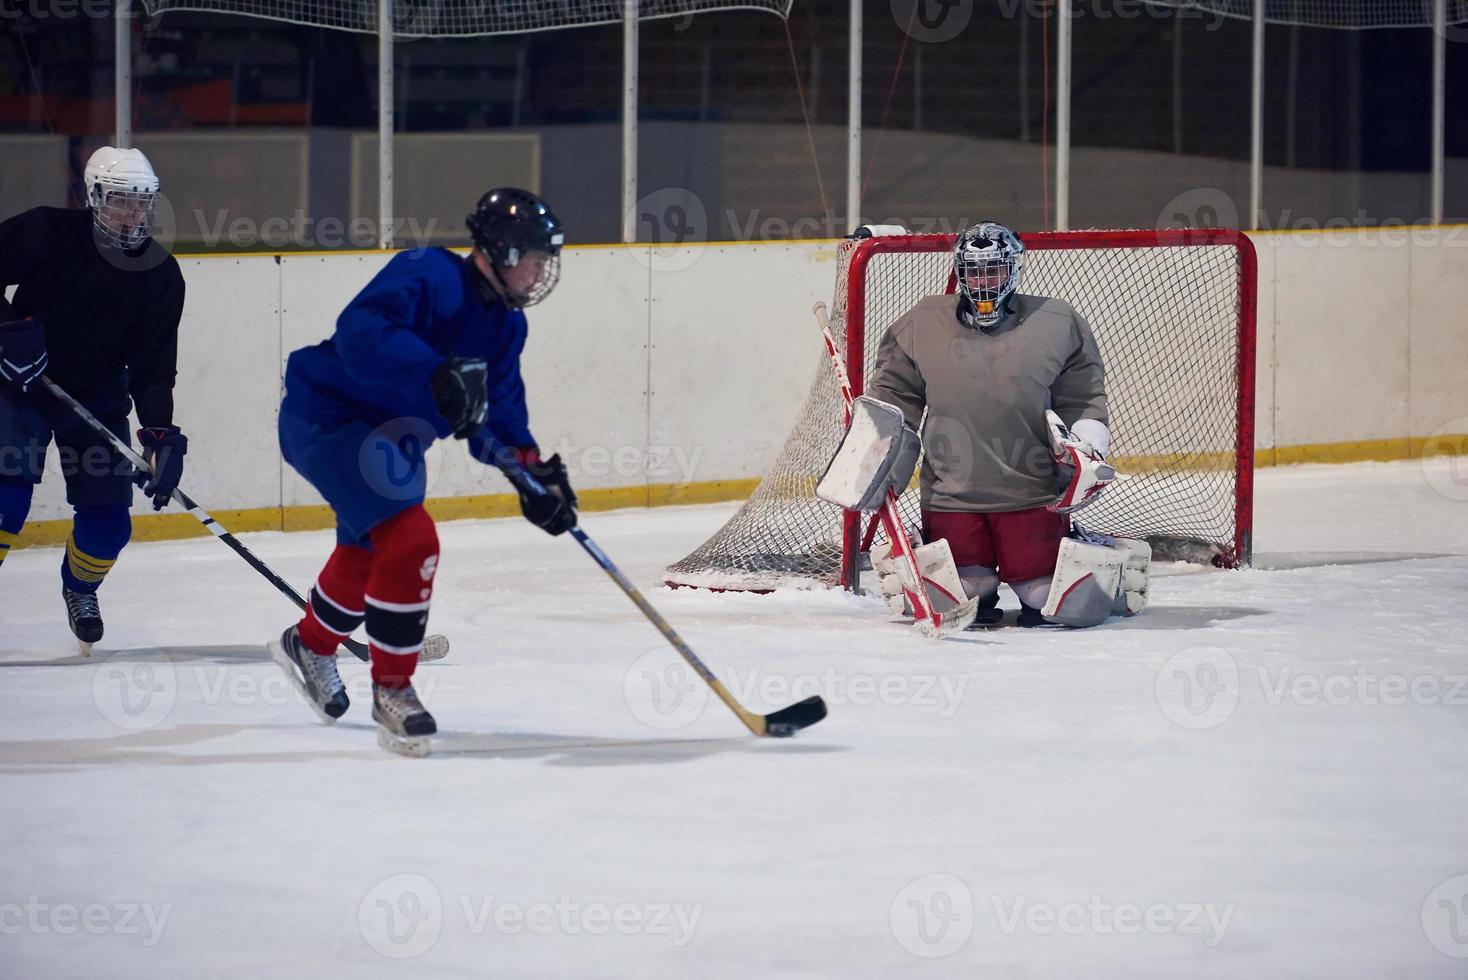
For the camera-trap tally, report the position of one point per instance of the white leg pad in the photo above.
(1131, 599)
(1086, 581)
(935, 564)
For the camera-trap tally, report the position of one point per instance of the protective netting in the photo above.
(1341, 14)
(460, 18)
(1173, 315)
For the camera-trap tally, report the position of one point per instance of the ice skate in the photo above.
(84, 617)
(403, 723)
(315, 677)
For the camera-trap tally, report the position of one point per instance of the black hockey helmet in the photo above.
(507, 224)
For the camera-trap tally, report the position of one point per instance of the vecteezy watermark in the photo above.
(657, 463)
(138, 695)
(1445, 917)
(1098, 917)
(401, 916)
(932, 916)
(671, 219)
(133, 695)
(1213, 207)
(404, 915)
(1200, 207)
(38, 917)
(937, 21)
(394, 459)
(1198, 688)
(664, 693)
(65, 9)
(300, 230)
(1443, 466)
(1361, 687)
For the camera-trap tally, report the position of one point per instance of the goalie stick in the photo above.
(434, 647)
(932, 623)
(778, 724)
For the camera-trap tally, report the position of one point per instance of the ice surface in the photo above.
(1264, 776)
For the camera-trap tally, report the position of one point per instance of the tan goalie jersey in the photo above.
(985, 442)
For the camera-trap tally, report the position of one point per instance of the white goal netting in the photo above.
(1173, 315)
(461, 18)
(1338, 14)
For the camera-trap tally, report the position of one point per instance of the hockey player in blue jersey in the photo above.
(430, 348)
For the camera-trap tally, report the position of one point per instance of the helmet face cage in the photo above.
(987, 263)
(123, 218)
(550, 274)
(510, 225)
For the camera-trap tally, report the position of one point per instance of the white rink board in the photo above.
(657, 366)
(1342, 357)
(1439, 343)
(734, 349)
(585, 367)
(227, 391)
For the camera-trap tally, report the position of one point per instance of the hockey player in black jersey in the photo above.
(96, 308)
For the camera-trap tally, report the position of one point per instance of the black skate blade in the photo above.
(412, 746)
(802, 714)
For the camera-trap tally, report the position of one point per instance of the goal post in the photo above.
(1173, 312)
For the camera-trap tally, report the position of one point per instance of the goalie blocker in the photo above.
(1096, 575)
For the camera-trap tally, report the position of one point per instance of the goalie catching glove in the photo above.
(1081, 469)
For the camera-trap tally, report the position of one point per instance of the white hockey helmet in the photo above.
(987, 262)
(122, 191)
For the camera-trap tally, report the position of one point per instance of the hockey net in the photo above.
(1173, 313)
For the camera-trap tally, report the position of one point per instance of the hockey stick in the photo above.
(434, 647)
(778, 724)
(929, 620)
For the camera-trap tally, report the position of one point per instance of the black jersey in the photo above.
(111, 318)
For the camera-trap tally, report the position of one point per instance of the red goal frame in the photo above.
(1242, 550)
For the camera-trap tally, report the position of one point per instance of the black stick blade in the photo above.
(788, 721)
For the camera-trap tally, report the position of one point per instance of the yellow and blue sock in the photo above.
(15, 504)
(98, 535)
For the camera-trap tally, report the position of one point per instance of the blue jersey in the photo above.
(420, 310)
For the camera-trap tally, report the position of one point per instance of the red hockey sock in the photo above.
(405, 558)
(336, 607)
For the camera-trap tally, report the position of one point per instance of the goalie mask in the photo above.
(987, 261)
(122, 193)
(522, 238)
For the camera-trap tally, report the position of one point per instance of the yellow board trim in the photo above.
(168, 527)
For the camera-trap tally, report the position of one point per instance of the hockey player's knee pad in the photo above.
(102, 531)
(405, 553)
(404, 562)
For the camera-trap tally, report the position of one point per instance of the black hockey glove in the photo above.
(459, 389)
(164, 449)
(554, 511)
(22, 353)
